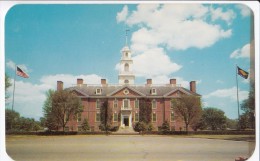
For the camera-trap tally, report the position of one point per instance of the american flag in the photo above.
(21, 73)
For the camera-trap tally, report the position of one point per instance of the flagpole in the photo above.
(237, 100)
(14, 88)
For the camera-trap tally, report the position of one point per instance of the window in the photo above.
(153, 91)
(78, 117)
(115, 103)
(136, 117)
(154, 117)
(126, 54)
(115, 117)
(126, 67)
(97, 117)
(126, 81)
(172, 116)
(136, 103)
(98, 104)
(98, 91)
(153, 103)
(171, 104)
(126, 103)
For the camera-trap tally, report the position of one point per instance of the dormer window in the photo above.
(98, 91)
(153, 91)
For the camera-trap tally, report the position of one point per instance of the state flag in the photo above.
(242, 73)
(21, 73)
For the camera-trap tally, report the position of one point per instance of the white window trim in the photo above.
(98, 107)
(114, 117)
(137, 118)
(171, 116)
(128, 106)
(98, 93)
(115, 102)
(155, 104)
(136, 100)
(153, 91)
(96, 117)
(155, 117)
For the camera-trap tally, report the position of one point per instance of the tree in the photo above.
(11, 119)
(214, 118)
(189, 107)
(145, 111)
(165, 127)
(85, 125)
(232, 123)
(49, 120)
(7, 84)
(248, 106)
(64, 106)
(106, 116)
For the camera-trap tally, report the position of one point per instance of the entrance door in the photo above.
(126, 121)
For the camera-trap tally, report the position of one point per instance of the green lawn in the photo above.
(250, 138)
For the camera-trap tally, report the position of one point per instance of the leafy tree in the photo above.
(248, 106)
(145, 111)
(232, 123)
(7, 84)
(244, 121)
(214, 118)
(64, 105)
(49, 120)
(106, 116)
(189, 107)
(85, 125)
(11, 119)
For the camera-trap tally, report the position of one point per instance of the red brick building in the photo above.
(124, 99)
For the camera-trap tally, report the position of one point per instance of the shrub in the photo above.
(140, 126)
(165, 127)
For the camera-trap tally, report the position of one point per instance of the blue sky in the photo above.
(183, 41)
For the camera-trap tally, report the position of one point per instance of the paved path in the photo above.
(123, 148)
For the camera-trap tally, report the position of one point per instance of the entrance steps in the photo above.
(126, 131)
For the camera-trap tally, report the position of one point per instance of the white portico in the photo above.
(126, 113)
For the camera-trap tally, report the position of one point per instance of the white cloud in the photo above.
(244, 52)
(230, 93)
(218, 13)
(121, 16)
(244, 10)
(162, 25)
(154, 62)
(10, 64)
(29, 97)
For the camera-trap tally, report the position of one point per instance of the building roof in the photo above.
(141, 90)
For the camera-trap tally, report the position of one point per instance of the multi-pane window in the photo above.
(98, 104)
(115, 103)
(172, 116)
(153, 91)
(153, 103)
(115, 117)
(79, 117)
(136, 103)
(97, 117)
(154, 117)
(98, 91)
(136, 117)
(171, 104)
(126, 103)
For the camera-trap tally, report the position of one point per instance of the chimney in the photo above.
(149, 82)
(59, 85)
(79, 82)
(103, 82)
(193, 86)
(173, 82)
